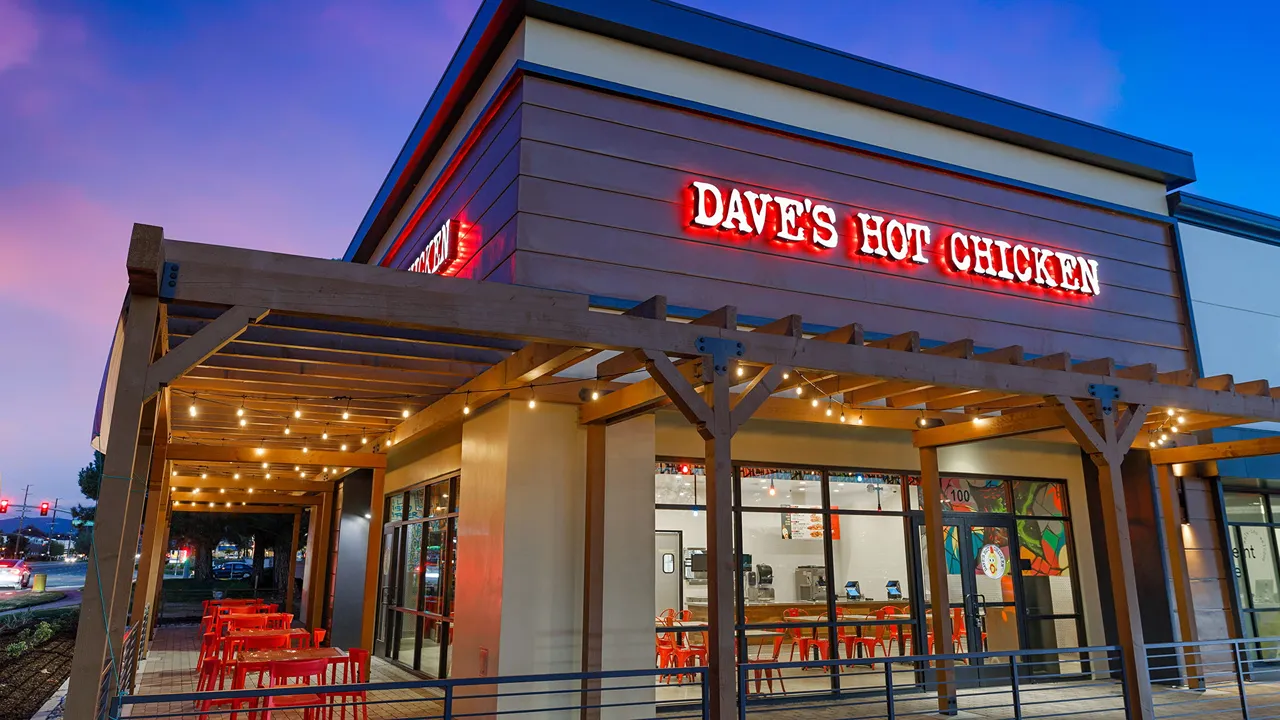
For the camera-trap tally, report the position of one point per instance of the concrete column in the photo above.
(520, 545)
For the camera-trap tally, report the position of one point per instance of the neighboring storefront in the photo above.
(1232, 256)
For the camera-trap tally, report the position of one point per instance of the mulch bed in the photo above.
(27, 681)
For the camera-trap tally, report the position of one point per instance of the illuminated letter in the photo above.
(1022, 268)
(824, 218)
(1068, 271)
(958, 238)
(758, 203)
(918, 235)
(1089, 277)
(870, 228)
(735, 218)
(788, 214)
(895, 251)
(982, 257)
(1043, 275)
(1004, 261)
(701, 218)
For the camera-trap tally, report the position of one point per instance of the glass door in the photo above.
(982, 591)
(386, 596)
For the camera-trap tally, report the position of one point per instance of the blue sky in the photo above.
(271, 125)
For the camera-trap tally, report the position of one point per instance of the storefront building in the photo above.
(757, 325)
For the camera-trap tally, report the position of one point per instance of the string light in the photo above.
(404, 413)
(741, 371)
(262, 449)
(264, 466)
(1170, 412)
(287, 430)
(210, 504)
(786, 376)
(236, 476)
(364, 439)
(240, 410)
(305, 449)
(222, 491)
(1181, 419)
(325, 435)
(192, 409)
(343, 447)
(841, 413)
(346, 412)
(799, 390)
(297, 409)
(174, 473)
(466, 404)
(814, 402)
(177, 502)
(533, 399)
(250, 491)
(243, 422)
(772, 490)
(296, 468)
(204, 476)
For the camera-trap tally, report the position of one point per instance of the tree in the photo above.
(91, 476)
(203, 532)
(90, 483)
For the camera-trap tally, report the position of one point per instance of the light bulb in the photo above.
(268, 476)
(466, 409)
(815, 402)
(302, 474)
(195, 490)
(740, 371)
(532, 403)
(176, 502)
(786, 376)
(343, 447)
(204, 476)
(236, 476)
(364, 440)
(324, 469)
(250, 491)
(859, 418)
(1171, 412)
(287, 430)
(1152, 443)
(261, 450)
(346, 415)
(174, 473)
(595, 394)
(297, 412)
(192, 410)
(243, 422)
(841, 416)
(228, 504)
(240, 411)
(210, 504)
(306, 449)
(222, 491)
(404, 413)
(264, 466)
(324, 435)
(799, 390)
(1181, 419)
(773, 490)
(1163, 437)
(829, 412)
(296, 468)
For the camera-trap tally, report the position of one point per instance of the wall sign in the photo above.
(440, 251)
(746, 214)
(993, 562)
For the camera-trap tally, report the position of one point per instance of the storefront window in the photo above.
(1033, 497)
(1254, 532)
(781, 487)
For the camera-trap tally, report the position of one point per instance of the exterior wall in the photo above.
(1231, 280)
(1207, 564)
(513, 52)
(799, 443)
(620, 62)
(602, 200)
(424, 459)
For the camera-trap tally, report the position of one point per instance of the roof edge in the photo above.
(704, 37)
(1224, 217)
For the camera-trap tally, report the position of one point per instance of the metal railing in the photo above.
(1222, 678)
(1026, 684)
(129, 651)
(611, 695)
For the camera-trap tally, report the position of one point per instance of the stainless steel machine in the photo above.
(760, 584)
(811, 583)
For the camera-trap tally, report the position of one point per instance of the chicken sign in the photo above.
(799, 221)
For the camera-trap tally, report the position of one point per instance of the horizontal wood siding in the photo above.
(480, 194)
(601, 210)
(1207, 563)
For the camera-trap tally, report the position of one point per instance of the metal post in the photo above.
(1244, 699)
(448, 703)
(22, 517)
(889, 711)
(53, 517)
(1016, 693)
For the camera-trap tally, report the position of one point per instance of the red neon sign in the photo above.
(440, 252)
(805, 222)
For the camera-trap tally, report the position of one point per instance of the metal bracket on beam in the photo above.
(169, 281)
(1107, 394)
(720, 351)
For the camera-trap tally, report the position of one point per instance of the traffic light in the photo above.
(44, 509)
(4, 506)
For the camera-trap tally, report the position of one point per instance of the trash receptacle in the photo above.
(38, 582)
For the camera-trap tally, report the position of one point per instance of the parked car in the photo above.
(232, 571)
(15, 573)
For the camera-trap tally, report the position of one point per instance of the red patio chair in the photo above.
(300, 674)
(354, 670)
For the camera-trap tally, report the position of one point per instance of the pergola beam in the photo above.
(274, 455)
(195, 349)
(185, 483)
(1254, 447)
(259, 497)
(983, 428)
(260, 509)
(285, 284)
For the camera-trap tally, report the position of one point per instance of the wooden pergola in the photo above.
(238, 363)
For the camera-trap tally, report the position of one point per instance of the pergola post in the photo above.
(1107, 442)
(153, 533)
(1179, 575)
(317, 561)
(293, 562)
(936, 562)
(111, 529)
(373, 557)
(717, 419)
(593, 570)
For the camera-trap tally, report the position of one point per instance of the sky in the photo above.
(271, 126)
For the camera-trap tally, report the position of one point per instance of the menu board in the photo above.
(807, 525)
